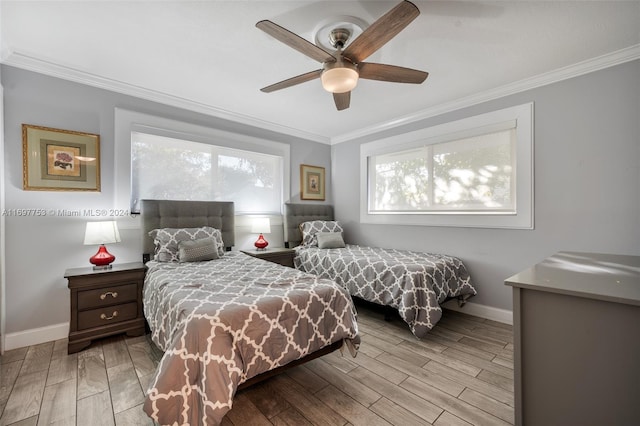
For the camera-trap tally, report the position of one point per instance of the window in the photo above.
(472, 172)
(466, 175)
(177, 169)
(161, 158)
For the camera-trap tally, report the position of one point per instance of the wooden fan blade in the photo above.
(381, 31)
(393, 73)
(293, 40)
(342, 100)
(292, 81)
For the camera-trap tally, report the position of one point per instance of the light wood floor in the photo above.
(461, 374)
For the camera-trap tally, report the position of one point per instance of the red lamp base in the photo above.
(261, 243)
(102, 259)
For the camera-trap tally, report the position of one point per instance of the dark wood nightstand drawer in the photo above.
(108, 315)
(107, 296)
(105, 302)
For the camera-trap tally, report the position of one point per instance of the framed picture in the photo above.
(311, 182)
(59, 160)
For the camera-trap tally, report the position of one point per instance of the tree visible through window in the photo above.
(472, 174)
(476, 173)
(176, 169)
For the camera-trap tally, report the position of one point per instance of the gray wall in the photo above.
(587, 175)
(39, 250)
(2, 221)
(587, 183)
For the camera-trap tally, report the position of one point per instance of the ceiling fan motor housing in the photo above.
(338, 37)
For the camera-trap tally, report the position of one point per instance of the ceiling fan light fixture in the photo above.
(343, 60)
(339, 79)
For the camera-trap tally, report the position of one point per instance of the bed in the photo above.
(229, 321)
(413, 283)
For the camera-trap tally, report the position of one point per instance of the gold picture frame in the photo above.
(312, 183)
(59, 160)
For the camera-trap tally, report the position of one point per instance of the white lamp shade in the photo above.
(261, 225)
(101, 233)
(339, 80)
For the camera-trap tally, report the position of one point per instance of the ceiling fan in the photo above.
(341, 69)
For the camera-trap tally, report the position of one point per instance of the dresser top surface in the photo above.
(610, 277)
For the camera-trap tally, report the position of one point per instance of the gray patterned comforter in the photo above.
(224, 321)
(414, 283)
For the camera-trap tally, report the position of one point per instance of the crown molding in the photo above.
(621, 56)
(32, 63)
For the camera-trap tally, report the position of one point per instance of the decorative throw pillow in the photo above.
(197, 250)
(310, 229)
(329, 240)
(166, 240)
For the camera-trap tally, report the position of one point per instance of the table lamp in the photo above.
(102, 233)
(261, 225)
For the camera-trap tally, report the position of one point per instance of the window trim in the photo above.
(523, 218)
(128, 121)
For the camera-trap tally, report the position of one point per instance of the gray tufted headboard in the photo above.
(295, 214)
(186, 214)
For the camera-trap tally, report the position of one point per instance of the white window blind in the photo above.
(474, 174)
(477, 172)
(178, 169)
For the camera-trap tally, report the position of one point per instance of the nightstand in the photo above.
(104, 303)
(281, 255)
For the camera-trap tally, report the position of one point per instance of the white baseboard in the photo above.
(482, 311)
(36, 336)
(49, 333)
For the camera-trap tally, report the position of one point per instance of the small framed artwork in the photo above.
(311, 182)
(59, 160)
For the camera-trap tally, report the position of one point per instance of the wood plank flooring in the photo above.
(460, 374)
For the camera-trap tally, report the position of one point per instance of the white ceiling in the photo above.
(208, 56)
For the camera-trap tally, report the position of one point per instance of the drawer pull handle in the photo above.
(113, 294)
(105, 317)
